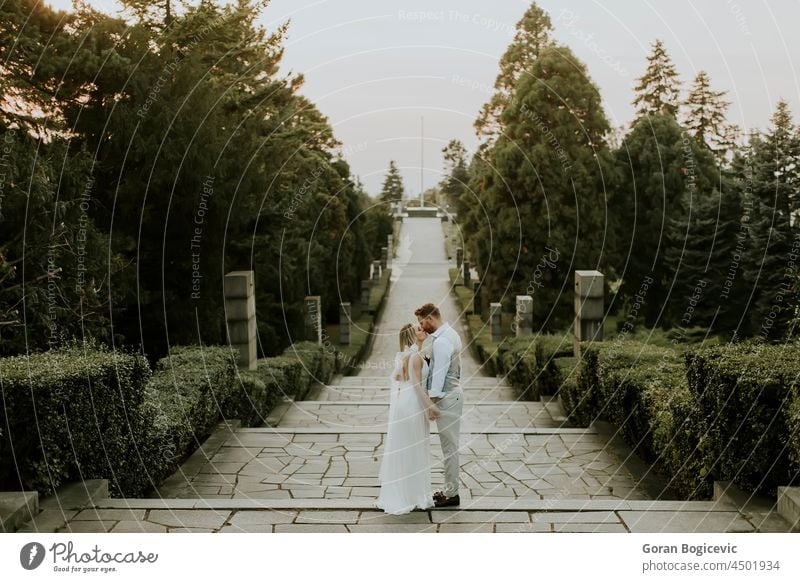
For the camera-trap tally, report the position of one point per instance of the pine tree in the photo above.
(774, 179)
(393, 190)
(699, 254)
(661, 171)
(456, 176)
(532, 36)
(542, 188)
(705, 116)
(658, 90)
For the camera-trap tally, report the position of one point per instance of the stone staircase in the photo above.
(316, 469)
(314, 466)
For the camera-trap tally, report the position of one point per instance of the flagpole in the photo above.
(421, 162)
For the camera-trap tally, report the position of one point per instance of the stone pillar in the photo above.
(390, 247)
(589, 308)
(344, 324)
(459, 257)
(376, 270)
(524, 316)
(465, 274)
(477, 308)
(366, 285)
(313, 319)
(495, 314)
(240, 316)
(384, 257)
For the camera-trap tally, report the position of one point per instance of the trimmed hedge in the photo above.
(317, 363)
(260, 392)
(350, 356)
(747, 397)
(197, 383)
(288, 372)
(69, 414)
(716, 413)
(530, 364)
(378, 293)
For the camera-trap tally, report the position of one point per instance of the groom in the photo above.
(444, 388)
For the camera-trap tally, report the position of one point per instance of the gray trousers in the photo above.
(449, 425)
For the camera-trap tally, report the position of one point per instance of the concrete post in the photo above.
(366, 285)
(376, 270)
(495, 314)
(344, 324)
(459, 257)
(384, 257)
(313, 319)
(390, 247)
(240, 316)
(477, 308)
(524, 316)
(465, 274)
(589, 308)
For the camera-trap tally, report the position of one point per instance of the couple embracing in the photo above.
(425, 387)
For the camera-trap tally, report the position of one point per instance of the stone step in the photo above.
(789, 506)
(291, 463)
(68, 500)
(350, 393)
(434, 430)
(476, 416)
(16, 508)
(529, 516)
(206, 516)
(484, 504)
(476, 381)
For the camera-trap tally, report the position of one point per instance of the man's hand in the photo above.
(433, 412)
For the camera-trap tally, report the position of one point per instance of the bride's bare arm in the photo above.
(427, 403)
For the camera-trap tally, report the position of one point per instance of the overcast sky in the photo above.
(376, 68)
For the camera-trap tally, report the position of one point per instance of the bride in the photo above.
(405, 473)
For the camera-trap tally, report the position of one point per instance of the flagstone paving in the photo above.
(314, 468)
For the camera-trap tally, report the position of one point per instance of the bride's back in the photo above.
(407, 370)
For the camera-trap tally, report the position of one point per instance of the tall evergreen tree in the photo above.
(658, 90)
(456, 176)
(661, 174)
(705, 116)
(188, 154)
(700, 245)
(532, 35)
(393, 190)
(774, 183)
(542, 188)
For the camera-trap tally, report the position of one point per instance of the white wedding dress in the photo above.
(405, 473)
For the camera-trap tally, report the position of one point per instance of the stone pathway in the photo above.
(315, 468)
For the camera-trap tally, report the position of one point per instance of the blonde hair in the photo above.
(408, 337)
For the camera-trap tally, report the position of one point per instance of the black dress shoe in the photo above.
(439, 495)
(453, 501)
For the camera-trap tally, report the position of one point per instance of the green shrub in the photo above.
(579, 396)
(529, 364)
(549, 349)
(349, 356)
(291, 377)
(378, 293)
(715, 413)
(260, 391)
(480, 339)
(189, 391)
(746, 394)
(69, 414)
(678, 438)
